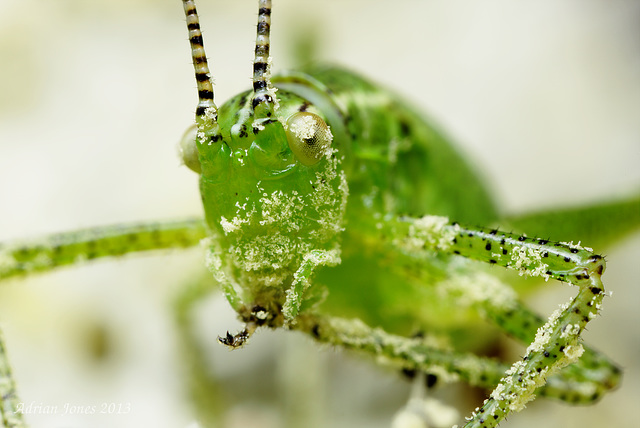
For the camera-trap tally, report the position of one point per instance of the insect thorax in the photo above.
(265, 209)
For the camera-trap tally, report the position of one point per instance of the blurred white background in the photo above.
(543, 96)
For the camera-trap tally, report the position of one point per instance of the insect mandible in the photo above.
(217, 332)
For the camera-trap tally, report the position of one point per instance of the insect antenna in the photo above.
(206, 111)
(263, 101)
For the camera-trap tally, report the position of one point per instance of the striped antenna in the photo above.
(263, 101)
(206, 112)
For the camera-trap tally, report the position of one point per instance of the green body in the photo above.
(284, 230)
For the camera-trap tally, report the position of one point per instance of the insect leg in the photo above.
(581, 383)
(21, 258)
(557, 342)
(12, 416)
(555, 346)
(400, 352)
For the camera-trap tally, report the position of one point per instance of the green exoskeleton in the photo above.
(333, 208)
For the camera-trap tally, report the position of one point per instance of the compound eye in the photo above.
(309, 137)
(189, 150)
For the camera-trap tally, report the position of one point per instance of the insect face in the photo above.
(266, 207)
(272, 187)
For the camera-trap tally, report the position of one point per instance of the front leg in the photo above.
(557, 342)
